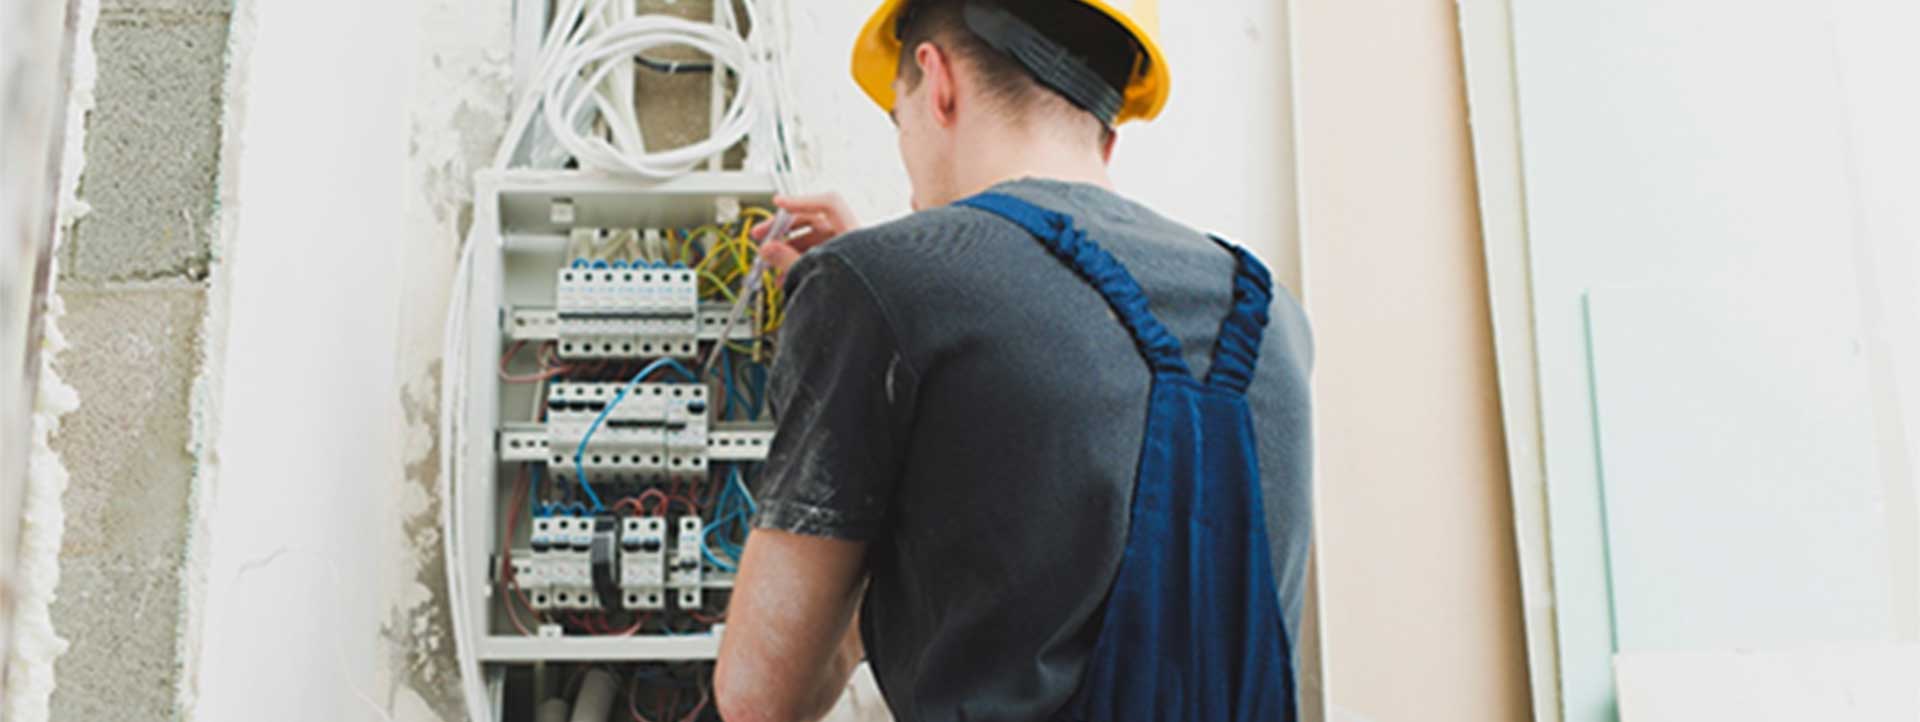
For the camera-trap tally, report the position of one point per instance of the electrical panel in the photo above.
(617, 364)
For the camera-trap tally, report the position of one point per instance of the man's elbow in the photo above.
(744, 695)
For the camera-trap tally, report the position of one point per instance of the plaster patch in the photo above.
(463, 76)
(419, 627)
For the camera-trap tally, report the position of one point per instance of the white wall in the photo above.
(359, 125)
(1876, 60)
(301, 522)
(320, 578)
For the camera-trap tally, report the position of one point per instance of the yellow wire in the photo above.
(724, 287)
(721, 274)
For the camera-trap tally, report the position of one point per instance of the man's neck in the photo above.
(1000, 156)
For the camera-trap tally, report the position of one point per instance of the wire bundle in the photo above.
(585, 91)
(576, 80)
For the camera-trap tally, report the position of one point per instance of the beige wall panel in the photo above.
(1419, 594)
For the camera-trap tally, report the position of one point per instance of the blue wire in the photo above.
(533, 492)
(757, 382)
(740, 480)
(711, 559)
(579, 467)
(732, 516)
(733, 392)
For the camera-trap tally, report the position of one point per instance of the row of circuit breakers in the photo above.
(636, 568)
(628, 312)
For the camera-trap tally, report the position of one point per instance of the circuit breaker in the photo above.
(643, 563)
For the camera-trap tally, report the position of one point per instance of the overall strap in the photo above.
(1099, 268)
(1237, 352)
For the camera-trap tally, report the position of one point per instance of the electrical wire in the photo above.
(507, 578)
(571, 95)
(579, 453)
(546, 372)
(672, 67)
(733, 512)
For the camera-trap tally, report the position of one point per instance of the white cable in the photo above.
(453, 373)
(553, 710)
(573, 82)
(595, 699)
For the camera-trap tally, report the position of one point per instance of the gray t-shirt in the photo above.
(953, 395)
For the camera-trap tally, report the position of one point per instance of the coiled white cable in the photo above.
(574, 81)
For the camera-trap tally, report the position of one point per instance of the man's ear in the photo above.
(936, 72)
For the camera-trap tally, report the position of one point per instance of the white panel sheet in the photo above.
(1743, 498)
(1863, 684)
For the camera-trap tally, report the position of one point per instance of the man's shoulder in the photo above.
(909, 238)
(939, 246)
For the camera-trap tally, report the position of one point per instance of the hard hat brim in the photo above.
(876, 62)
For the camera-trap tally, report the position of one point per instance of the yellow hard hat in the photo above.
(876, 56)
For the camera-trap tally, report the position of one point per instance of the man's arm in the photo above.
(791, 640)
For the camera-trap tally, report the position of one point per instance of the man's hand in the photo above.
(816, 220)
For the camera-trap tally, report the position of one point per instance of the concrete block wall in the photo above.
(134, 280)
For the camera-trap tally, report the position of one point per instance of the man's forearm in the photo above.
(792, 634)
(839, 670)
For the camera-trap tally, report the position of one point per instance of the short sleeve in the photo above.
(842, 394)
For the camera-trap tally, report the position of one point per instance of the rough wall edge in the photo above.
(205, 401)
(30, 681)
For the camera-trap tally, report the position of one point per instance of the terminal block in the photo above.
(643, 563)
(658, 432)
(627, 313)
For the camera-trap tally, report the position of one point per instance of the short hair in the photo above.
(1103, 45)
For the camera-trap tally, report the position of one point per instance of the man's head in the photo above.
(966, 88)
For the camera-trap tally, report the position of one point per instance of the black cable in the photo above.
(672, 67)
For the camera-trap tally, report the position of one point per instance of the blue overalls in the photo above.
(1192, 630)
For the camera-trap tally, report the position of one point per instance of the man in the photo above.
(964, 411)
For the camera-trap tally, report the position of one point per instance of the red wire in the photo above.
(521, 489)
(641, 503)
(546, 372)
(672, 703)
(706, 696)
(629, 631)
(633, 700)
